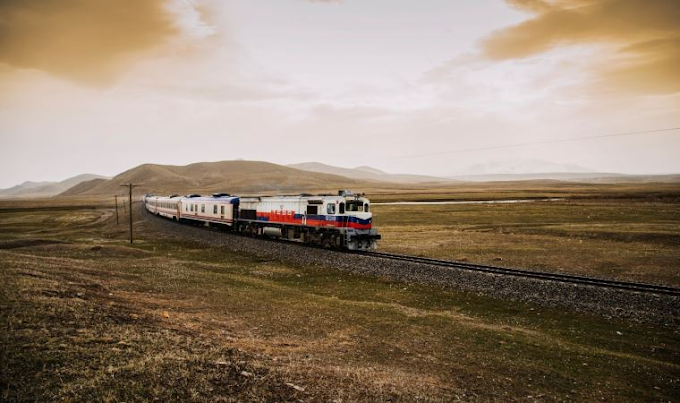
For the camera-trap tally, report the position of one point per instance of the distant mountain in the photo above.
(45, 189)
(23, 187)
(558, 176)
(241, 177)
(523, 167)
(366, 173)
(596, 177)
(619, 178)
(524, 170)
(372, 170)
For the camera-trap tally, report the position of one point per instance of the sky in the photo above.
(428, 87)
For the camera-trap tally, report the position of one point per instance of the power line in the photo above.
(564, 140)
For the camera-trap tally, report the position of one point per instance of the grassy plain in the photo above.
(89, 317)
(537, 189)
(632, 239)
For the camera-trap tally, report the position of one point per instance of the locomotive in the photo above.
(333, 221)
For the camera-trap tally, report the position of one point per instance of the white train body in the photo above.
(216, 209)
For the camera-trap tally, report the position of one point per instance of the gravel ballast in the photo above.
(609, 303)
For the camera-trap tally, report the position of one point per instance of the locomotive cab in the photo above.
(355, 213)
(358, 207)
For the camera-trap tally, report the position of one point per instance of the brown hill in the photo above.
(241, 177)
(368, 173)
(45, 189)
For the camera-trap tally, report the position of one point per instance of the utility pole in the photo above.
(117, 223)
(130, 186)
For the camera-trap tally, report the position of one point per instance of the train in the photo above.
(341, 221)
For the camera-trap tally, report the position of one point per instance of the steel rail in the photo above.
(559, 277)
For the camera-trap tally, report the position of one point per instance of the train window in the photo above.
(312, 210)
(355, 206)
(342, 208)
(366, 207)
(330, 209)
(215, 209)
(221, 209)
(202, 208)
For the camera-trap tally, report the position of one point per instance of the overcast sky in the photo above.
(101, 86)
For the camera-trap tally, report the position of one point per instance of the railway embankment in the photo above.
(609, 303)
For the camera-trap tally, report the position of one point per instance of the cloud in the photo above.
(87, 41)
(644, 36)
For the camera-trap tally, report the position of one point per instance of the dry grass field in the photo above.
(627, 239)
(89, 317)
(535, 189)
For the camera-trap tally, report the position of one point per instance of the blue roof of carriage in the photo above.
(222, 199)
(227, 200)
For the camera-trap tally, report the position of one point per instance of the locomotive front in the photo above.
(357, 218)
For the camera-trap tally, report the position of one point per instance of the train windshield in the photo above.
(355, 206)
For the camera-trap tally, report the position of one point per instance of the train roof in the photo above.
(226, 199)
(340, 193)
(302, 197)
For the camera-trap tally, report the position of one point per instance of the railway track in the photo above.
(563, 278)
(546, 276)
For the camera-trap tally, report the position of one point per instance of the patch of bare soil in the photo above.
(24, 243)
